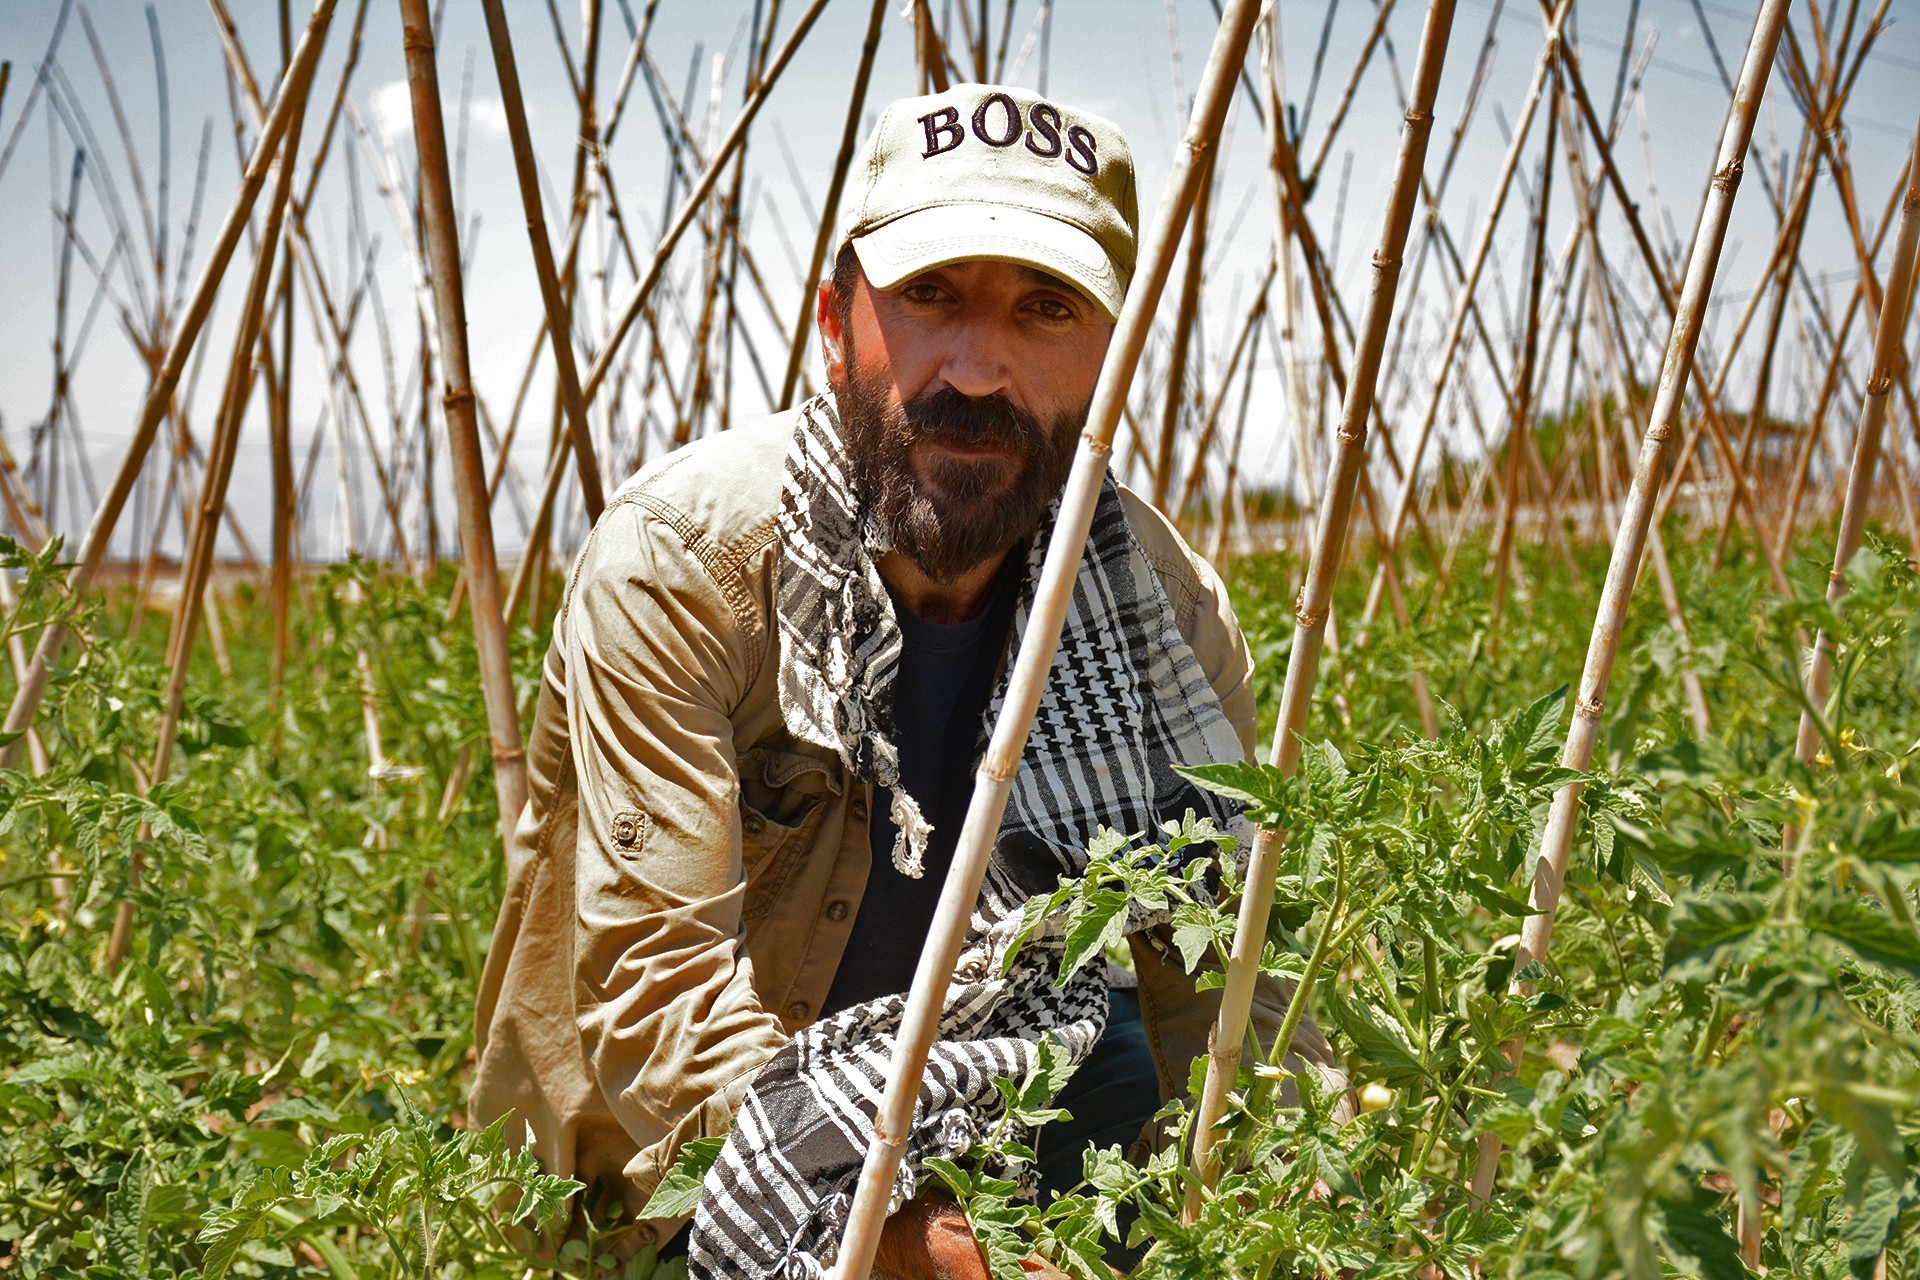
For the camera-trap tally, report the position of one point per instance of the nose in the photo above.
(978, 359)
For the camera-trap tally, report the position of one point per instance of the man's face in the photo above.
(961, 392)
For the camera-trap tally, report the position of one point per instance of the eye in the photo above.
(1052, 309)
(922, 293)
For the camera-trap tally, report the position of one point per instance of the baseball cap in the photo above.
(990, 171)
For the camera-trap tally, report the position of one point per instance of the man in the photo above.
(770, 680)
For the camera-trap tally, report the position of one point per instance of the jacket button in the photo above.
(797, 1011)
(836, 911)
(755, 824)
(859, 810)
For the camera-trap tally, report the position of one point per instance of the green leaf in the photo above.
(1696, 1239)
(1535, 730)
(1376, 1040)
(1875, 1200)
(679, 1191)
(1885, 841)
(1196, 928)
(1868, 932)
(228, 1229)
(129, 1209)
(1703, 927)
(1099, 921)
(1029, 1103)
(1263, 790)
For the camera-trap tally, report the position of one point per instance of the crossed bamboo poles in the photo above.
(1198, 478)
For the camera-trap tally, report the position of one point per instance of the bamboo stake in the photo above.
(1520, 435)
(1203, 444)
(1613, 362)
(1711, 417)
(930, 52)
(33, 687)
(1381, 13)
(1867, 291)
(285, 504)
(526, 575)
(280, 419)
(558, 329)
(1184, 323)
(1316, 595)
(1027, 678)
(198, 562)
(469, 469)
(696, 198)
(1630, 541)
(1477, 258)
(823, 238)
(1888, 358)
(1286, 343)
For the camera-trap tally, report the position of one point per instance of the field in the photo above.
(273, 1081)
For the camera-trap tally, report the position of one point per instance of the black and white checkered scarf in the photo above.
(1125, 701)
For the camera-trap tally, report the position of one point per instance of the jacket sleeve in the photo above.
(669, 1021)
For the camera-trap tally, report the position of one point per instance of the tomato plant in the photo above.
(273, 1081)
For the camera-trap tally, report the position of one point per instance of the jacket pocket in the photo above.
(783, 799)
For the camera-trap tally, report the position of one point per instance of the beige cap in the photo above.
(986, 171)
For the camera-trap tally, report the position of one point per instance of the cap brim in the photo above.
(927, 238)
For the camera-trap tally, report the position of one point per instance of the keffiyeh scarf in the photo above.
(1126, 699)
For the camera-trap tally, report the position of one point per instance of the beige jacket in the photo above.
(685, 876)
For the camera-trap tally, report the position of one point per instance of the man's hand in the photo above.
(929, 1239)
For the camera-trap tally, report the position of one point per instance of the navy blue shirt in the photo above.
(940, 697)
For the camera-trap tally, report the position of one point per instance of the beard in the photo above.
(963, 512)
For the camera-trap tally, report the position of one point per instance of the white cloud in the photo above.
(487, 118)
(392, 106)
(392, 110)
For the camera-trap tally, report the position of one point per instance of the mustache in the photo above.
(949, 414)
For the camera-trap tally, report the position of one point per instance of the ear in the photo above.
(832, 338)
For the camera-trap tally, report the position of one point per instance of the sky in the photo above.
(1134, 61)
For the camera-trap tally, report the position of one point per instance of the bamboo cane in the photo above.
(1520, 435)
(1027, 678)
(1343, 476)
(1482, 245)
(469, 469)
(32, 688)
(1382, 12)
(558, 328)
(1630, 541)
(525, 574)
(1888, 357)
(1185, 319)
(1285, 341)
(696, 198)
(823, 238)
(38, 82)
(930, 52)
(1866, 292)
(1612, 361)
(285, 506)
(1711, 417)
(197, 568)
(1203, 444)
(1231, 499)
